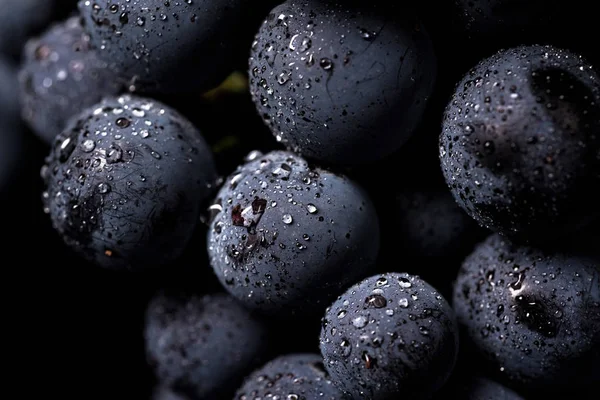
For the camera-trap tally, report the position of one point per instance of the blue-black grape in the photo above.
(287, 236)
(290, 377)
(167, 46)
(520, 148)
(60, 76)
(202, 346)
(390, 335)
(341, 82)
(125, 181)
(533, 315)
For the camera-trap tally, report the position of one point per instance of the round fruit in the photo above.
(520, 148)
(340, 82)
(125, 182)
(287, 237)
(390, 335)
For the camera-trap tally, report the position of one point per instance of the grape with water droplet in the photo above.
(287, 237)
(533, 315)
(170, 47)
(60, 76)
(121, 199)
(387, 336)
(341, 82)
(298, 376)
(519, 146)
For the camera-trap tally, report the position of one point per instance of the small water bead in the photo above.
(253, 155)
(283, 78)
(326, 64)
(122, 122)
(103, 188)
(287, 219)
(312, 209)
(367, 35)
(403, 303)
(88, 145)
(341, 314)
(404, 283)
(360, 321)
(376, 301)
(137, 112)
(114, 154)
(381, 282)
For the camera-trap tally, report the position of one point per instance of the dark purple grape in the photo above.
(534, 316)
(388, 336)
(520, 148)
(286, 237)
(341, 82)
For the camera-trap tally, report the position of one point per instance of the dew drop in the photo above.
(103, 188)
(114, 154)
(360, 321)
(381, 281)
(376, 300)
(287, 219)
(253, 155)
(312, 209)
(122, 122)
(283, 78)
(404, 283)
(368, 36)
(88, 145)
(326, 64)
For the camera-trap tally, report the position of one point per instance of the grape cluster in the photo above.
(305, 199)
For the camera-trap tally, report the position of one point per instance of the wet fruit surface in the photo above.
(286, 236)
(389, 334)
(60, 76)
(124, 183)
(272, 200)
(520, 147)
(165, 46)
(290, 377)
(534, 316)
(340, 84)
